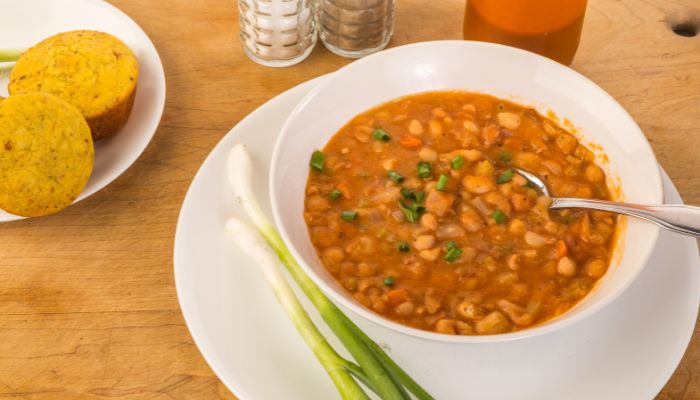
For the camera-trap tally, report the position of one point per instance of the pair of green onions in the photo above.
(372, 367)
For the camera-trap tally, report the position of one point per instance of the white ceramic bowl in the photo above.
(502, 71)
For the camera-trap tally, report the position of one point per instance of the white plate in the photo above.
(27, 22)
(627, 351)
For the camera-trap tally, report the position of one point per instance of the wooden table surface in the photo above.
(87, 299)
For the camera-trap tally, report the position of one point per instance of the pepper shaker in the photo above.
(356, 28)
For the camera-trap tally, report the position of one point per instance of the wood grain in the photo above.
(87, 300)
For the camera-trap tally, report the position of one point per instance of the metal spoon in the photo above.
(675, 217)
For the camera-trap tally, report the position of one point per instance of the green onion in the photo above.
(318, 161)
(372, 366)
(10, 55)
(336, 194)
(389, 281)
(442, 182)
(255, 246)
(499, 216)
(418, 197)
(505, 156)
(506, 176)
(415, 196)
(348, 215)
(424, 169)
(404, 247)
(452, 252)
(395, 176)
(457, 162)
(381, 135)
(412, 212)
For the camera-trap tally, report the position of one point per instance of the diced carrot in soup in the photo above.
(411, 142)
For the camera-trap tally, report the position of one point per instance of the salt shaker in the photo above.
(356, 28)
(277, 33)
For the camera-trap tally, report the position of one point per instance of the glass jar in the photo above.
(356, 28)
(277, 33)
(551, 28)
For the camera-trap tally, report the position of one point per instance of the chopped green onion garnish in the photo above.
(404, 247)
(442, 182)
(452, 252)
(381, 135)
(411, 215)
(412, 212)
(336, 194)
(499, 216)
(395, 176)
(457, 162)
(389, 281)
(318, 161)
(424, 169)
(419, 197)
(415, 196)
(505, 156)
(506, 176)
(348, 215)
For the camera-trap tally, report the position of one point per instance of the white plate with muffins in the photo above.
(122, 132)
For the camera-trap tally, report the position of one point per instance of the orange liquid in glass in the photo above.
(551, 28)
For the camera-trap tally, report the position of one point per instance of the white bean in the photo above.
(427, 154)
(509, 120)
(430, 255)
(428, 221)
(534, 239)
(415, 127)
(424, 242)
(566, 267)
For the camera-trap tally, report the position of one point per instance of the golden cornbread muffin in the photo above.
(94, 71)
(46, 154)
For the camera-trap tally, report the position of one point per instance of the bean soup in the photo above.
(414, 208)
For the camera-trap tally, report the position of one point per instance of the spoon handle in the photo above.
(677, 218)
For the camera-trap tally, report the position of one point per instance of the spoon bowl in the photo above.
(674, 217)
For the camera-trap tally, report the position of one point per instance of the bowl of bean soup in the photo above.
(393, 184)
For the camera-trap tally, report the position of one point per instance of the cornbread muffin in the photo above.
(94, 71)
(46, 154)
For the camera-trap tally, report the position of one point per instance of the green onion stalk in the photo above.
(10, 55)
(7, 59)
(372, 367)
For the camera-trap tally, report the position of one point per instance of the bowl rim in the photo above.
(556, 323)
